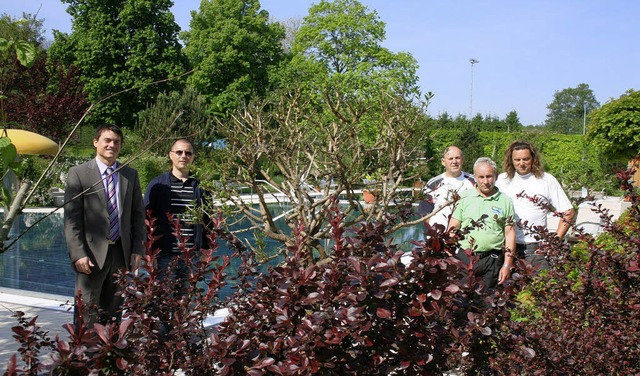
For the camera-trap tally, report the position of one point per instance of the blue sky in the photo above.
(527, 50)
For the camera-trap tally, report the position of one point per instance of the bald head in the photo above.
(452, 160)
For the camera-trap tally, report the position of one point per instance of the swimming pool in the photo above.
(39, 261)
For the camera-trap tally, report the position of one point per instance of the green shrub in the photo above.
(149, 166)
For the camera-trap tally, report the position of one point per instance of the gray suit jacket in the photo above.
(86, 221)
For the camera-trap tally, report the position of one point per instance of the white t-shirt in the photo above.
(546, 188)
(440, 190)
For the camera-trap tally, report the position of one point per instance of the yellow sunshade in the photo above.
(30, 143)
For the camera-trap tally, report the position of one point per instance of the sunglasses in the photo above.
(180, 152)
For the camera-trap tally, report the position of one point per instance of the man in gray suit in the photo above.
(104, 225)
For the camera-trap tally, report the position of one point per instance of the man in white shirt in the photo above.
(524, 175)
(442, 189)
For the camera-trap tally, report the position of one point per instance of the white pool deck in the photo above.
(54, 311)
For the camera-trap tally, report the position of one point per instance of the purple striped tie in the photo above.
(112, 206)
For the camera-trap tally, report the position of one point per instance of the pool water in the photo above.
(39, 260)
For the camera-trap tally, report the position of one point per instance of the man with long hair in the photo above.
(525, 181)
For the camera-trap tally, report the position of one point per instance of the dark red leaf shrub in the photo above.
(160, 332)
(365, 312)
(46, 98)
(588, 305)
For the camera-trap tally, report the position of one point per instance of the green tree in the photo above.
(232, 47)
(173, 115)
(118, 45)
(344, 39)
(493, 123)
(477, 122)
(567, 110)
(460, 122)
(338, 50)
(512, 122)
(471, 145)
(28, 29)
(445, 121)
(615, 127)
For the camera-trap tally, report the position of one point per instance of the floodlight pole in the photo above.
(472, 61)
(584, 118)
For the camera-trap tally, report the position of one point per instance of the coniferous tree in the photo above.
(513, 122)
(472, 146)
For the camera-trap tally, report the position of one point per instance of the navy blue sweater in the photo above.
(157, 198)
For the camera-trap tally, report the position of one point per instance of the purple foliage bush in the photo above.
(365, 312)
(588, 305)
(161, 330)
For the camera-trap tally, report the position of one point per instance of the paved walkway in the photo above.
(53, 313)
(588, 219)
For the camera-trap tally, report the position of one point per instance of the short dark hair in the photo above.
(182, 140)
(536, 165)
(108, 127)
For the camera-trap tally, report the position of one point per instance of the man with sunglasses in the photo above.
(173, 196)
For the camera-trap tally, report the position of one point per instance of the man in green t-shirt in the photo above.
(495, 239)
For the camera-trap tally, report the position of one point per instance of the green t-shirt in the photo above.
(499, 210)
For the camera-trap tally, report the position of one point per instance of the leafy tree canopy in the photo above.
(567, 110)
(19, 38)
(232, 47)
(343, 40)
(615, 127)
(179, 114)
(28, 28)
(338, 50)
(118, 45)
